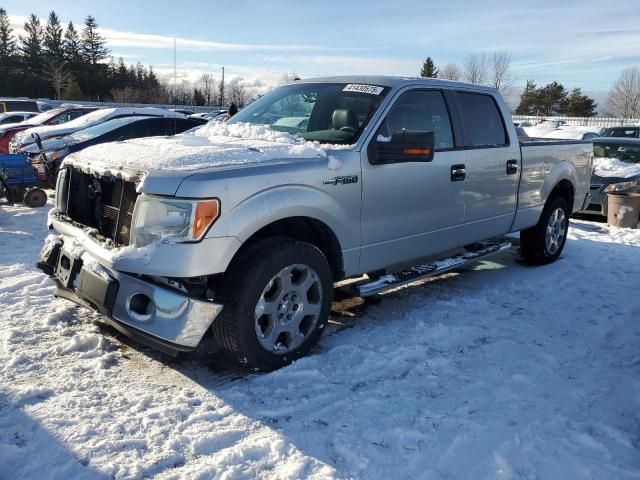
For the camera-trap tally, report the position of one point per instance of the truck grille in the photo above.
(103, 203)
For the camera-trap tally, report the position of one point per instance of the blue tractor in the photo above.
(19, 182)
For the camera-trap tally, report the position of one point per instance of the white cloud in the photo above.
(335, 64)
(117, 38)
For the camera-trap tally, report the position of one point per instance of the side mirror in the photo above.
(403, 146)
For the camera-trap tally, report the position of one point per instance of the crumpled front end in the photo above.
(158, 315)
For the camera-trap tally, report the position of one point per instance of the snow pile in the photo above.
(612, 167)
(247, 131)
(213, 145)
(498, 371)
(567, 132)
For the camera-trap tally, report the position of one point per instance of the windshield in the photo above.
(43, 117)
(626, 153)
(95, 131)
(324, 112)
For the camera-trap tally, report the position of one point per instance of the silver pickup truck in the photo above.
(242, 228)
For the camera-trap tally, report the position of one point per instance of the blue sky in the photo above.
(579, 43)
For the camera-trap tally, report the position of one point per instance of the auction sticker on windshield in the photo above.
(372, 89)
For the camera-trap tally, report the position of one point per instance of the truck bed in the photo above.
(546, 162)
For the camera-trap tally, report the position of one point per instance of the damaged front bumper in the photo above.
(161, 317)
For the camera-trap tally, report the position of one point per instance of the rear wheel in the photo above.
(544, 242)
(277, 299)
(35, 198)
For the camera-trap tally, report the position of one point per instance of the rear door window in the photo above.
(484, 126)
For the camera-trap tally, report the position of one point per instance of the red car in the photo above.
(55, 116)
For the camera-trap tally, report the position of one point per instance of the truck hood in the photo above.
(160, 164)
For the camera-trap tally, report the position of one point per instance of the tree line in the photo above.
(73, 63)
(493, 69)
(490, 69)
(49, 60)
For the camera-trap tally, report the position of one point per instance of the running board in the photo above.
(390, 281)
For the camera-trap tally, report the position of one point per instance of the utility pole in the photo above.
(222, 89)
(175, 74)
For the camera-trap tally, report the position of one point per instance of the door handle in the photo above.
(458, 172)
(512, 167)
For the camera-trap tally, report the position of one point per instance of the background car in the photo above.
(44, 106)
(617, 169)
(17, 105)
(28, 137)
(184, 111)
(631, 131)
(15, 117)
(48, 154)
(210, 115)
(56, 116)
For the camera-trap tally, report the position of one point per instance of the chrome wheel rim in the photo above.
(556, 230)
(288, 309)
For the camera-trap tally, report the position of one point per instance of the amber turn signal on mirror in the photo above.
(417, 151)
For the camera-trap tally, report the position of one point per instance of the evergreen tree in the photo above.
(198, 97)
(429, 69)
(527, 105)
(71, 46)
(53, 43)
(73, 91)
(141, 75)
(551, 99)
(152, 79)
(579, 105)
(7, 40)
(31, 44)
(93, 44)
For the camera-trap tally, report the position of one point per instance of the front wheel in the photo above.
(277, 299)
(544, 243)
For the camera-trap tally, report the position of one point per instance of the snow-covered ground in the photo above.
(567, 132)
(500, 371)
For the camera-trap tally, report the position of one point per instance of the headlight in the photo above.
(169, 219)
(620, 187)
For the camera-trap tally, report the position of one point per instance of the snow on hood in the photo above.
(213, 145)
(612, 167)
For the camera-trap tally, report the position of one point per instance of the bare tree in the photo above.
(208, 87)
(624, 97)
(288, 77)
(239, 95)
(55, 71)
(450, 71)
(499, 76)
(476, 68)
